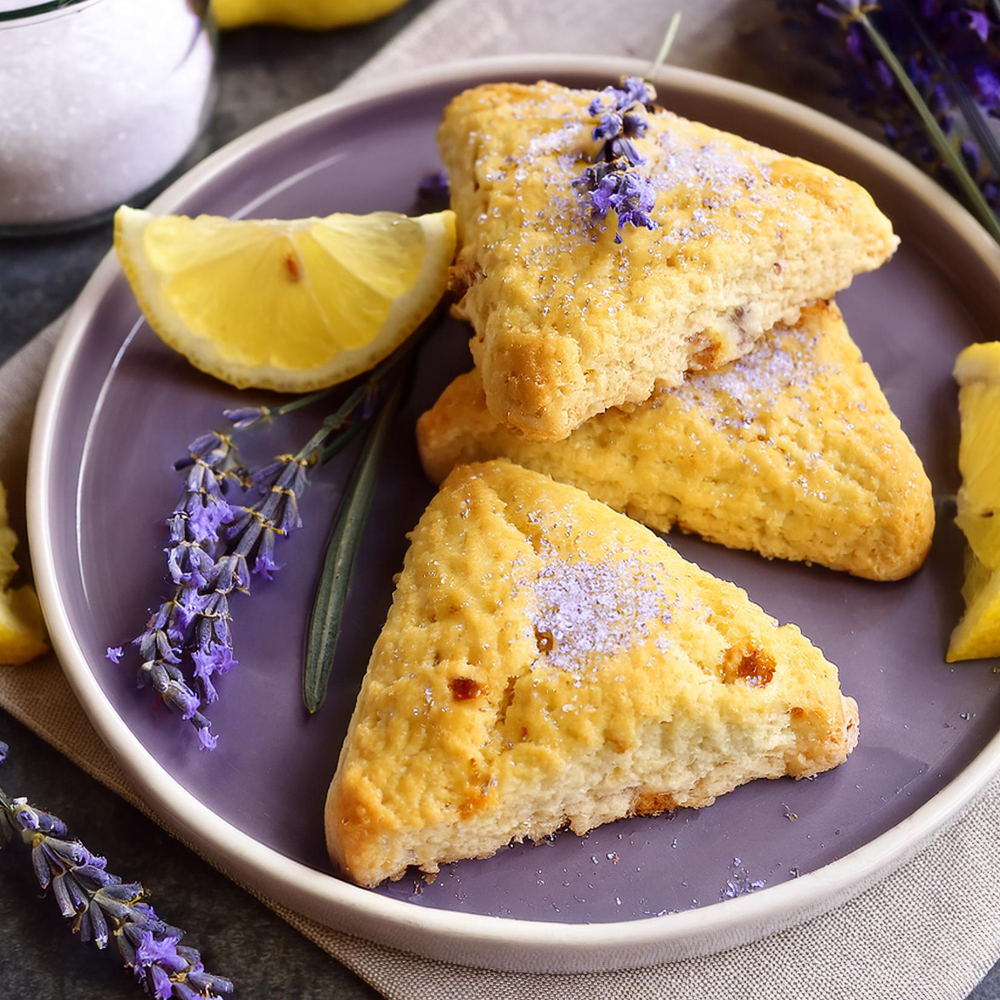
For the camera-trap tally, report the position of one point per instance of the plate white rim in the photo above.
(473, 938)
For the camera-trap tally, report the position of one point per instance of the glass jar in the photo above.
(99, 102)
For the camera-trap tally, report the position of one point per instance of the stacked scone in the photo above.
(548, 661)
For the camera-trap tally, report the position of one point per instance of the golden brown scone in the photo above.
(791, 451)
(567, 322)
(548, 661)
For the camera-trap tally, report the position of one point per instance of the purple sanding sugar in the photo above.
(585, 609)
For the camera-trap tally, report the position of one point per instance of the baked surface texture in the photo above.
(547, 661)
(791, 451)
(568, 323)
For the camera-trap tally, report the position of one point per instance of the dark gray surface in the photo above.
(262, 72)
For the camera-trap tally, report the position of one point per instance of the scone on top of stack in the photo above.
(547, 661)
(792, 451)
(567, 322)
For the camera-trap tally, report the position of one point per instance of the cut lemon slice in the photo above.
(977, 635)
(22, 630)
(290, 306)
(313, 15)
(977, 371)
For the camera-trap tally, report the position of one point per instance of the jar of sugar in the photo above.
(100, 100)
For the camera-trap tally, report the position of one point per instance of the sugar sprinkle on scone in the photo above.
(547, 661)
(568, 323)
(792, 451)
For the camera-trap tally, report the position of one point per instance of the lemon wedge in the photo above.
(290, 306)
(314, 15)
(977, 372)
(22, 630)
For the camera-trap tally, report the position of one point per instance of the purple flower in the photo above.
(264, 564)
(948, 50)
(190, 605)
(204, 519)
(609, 125)
(159, 951)
(206, 739)
(608, 99)
(213, 658)
(189, 564)
(637, 91)
(987, 86)
(979, 23)
(610, 184)
(114, 654)
(243, 417)
(95, 900)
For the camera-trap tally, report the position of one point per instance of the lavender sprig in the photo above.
(929, 73)
(103, 907)
(611, 183)
(192, 566)
(216, 546)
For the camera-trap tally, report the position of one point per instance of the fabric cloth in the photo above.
(931, 930)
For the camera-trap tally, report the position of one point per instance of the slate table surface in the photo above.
(261, 72)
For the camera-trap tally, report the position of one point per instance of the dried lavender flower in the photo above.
(610, 183)
(102, 907)
(243, 417)
(217, 545)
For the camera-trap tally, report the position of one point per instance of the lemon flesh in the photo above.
(22, 630)
(313, 15)
(977, 635)
(286, 305)
(977, 372)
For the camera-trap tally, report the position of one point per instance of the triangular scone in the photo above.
(549, 661)
(792, 451)
(567, 322)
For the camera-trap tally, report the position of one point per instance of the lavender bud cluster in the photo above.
(104, 908)
(611, 183)
(212, 543)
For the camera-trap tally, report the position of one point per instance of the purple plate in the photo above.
(119, 406)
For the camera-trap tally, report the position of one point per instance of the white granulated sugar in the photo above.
(557, 141)
(725, 172)
(752, 385)
(584, 609)
(97, 103)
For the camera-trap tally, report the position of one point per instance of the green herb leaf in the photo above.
(341, 553)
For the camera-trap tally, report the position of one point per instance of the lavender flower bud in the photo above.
(243, 417)
(608, 126)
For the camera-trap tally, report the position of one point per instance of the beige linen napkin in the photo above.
(928, 932)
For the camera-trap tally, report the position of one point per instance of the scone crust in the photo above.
(791, 451)
(567, 322)
(481, 720)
